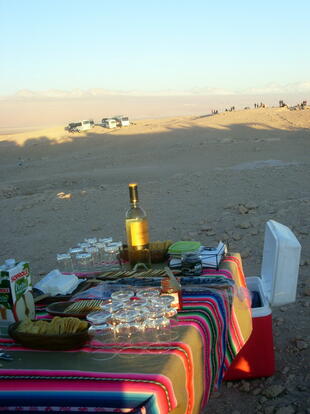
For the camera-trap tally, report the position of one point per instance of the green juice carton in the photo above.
(16, 299)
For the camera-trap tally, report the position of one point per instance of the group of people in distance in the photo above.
(261, 105)
(282, 104)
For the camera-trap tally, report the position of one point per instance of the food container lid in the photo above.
(280, 264)
(181, 247)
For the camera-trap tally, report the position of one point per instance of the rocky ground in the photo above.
(203, 178)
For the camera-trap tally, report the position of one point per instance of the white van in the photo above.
(80, 126)
(109, 123)
(122, 120)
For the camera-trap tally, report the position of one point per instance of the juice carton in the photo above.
(16, 300)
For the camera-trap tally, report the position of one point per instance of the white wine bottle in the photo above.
(137, 230)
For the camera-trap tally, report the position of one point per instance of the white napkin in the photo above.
(56, 283)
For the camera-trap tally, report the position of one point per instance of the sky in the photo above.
(163, 46)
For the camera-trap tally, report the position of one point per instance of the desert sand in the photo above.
(203, 178)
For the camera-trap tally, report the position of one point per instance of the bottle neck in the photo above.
(133, 194)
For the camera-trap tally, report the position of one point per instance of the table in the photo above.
(176, 376)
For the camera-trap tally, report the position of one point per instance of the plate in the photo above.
(87, 306)
(49, 342)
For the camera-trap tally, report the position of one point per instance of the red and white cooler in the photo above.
(276, 286)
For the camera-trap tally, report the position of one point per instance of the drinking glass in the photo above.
(101, 250)
(122, 295)
(112, 257)
(83, 262)
(126, 329)
(91, 240)
(149, 294)
(73, 252)
(105, 240)
(101, 331)
(84, 245)
(95, 258)
(64, 262)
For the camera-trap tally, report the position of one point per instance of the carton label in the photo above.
(16, 300)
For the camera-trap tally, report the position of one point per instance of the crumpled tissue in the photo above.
(56, 283)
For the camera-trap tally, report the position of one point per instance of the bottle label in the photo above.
(139, 233)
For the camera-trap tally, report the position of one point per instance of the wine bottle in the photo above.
(137, 230)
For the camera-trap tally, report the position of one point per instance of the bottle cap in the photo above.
(133, 192)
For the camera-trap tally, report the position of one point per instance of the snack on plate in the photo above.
(57, 326)
(84, 306)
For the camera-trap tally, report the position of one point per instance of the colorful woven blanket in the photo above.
(174, 376)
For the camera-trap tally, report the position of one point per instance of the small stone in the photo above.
(289, 409)
(206, 227)
(285, 370)
(245, 386)
(245, 253)
(244, 225)
(254, 232)
(216, 394)
(273, 391)
(242, 209)
(306, 290)
(236, 236)
(210, 233)
(256, 391)
(251, 206)
(302, 388)
(283, 309)
(301, 345)
(269, 410)
(304, 263)
(279, 321)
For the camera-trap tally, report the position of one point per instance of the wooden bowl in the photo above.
(49, 342)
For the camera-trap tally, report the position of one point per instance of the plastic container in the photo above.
(277, 286)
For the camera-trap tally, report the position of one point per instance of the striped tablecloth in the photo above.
(155, 377)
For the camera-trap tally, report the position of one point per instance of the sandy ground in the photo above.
(204, 178)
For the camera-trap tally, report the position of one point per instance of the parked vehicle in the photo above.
(80, 126)
(109, 123)
(122, 120)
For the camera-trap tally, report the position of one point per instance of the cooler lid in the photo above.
(280, 264)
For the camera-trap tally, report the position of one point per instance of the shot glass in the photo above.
(112, 257)
(91, 240)
(73, 252)
(64, 262)
(95, 258)
(84, 262)
(105, 240)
